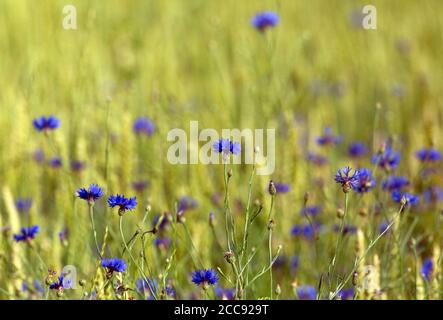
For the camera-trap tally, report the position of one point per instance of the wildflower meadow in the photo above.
(315, 171)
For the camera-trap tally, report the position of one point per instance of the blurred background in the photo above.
(175, 61)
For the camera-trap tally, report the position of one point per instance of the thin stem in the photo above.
(270, 226)
(248, 209)
(225, 178)
(370, 246)
(91, 216)
(338, 244)
(134, 261)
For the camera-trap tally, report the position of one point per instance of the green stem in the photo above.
(91, 216)
(338, 244)
(134, 261)
(270, 247)
(370, 246)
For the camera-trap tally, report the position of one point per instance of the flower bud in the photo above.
(340, 213)
(271, 188)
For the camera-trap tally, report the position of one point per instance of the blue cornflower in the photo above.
(328, 138)
(347, 178)
(77, 165)
(282, 187)
(346, 294)
(204, 277)
(428, 155)
(144, 126)
(395, 183)
(186, 203)
(63, 235)
(387, 159)
(162, 243)
(295, 262)
(226, 146)
(122, 202)
(55, 162)
(306, 230)
(234, 147)
(38, 156)
(306, 293)
(310, 211)
(27, 234)
(140, 185)
(159, 225)
(263, 20)
(46, 123)
(409, 199)
(222, 145)
(61, 284)
(427, 269)
(433, 194)
(23, 204)
(225, 294)
(357, 149)
(91, 195)
(365, 181)
(317, 159)
(114, 265)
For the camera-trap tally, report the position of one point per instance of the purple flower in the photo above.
(346, 294)
(144, 126)
(347, 178)
(306, 293)
(409, 199)
(317, 159)
(295, 262)
(46, 123)
(23, 205)
(77, 165)
(39, 155)
(186, 203)
(427, 269)
(328, 138)
(433, 194)
(306, 230)
(140, 185)
(282, 187)
(61, 284)
(310, 211)
(91, 195)
(226, 146)
(114, 265)
(264, 20)
(162, 243)
(27, 234)
(395, 183)
(56, 162)
(365, 181)
(204, 277)
(387, 160)
(225, 294)
(122, 202)
(63, 235)
(428, 155)
(357, 149)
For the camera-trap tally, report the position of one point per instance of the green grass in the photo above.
(177, 61)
